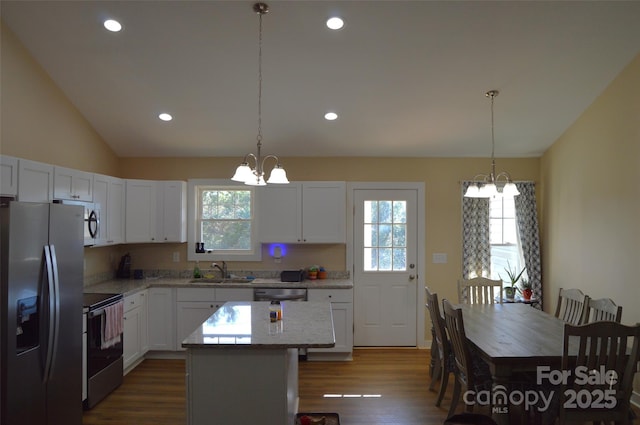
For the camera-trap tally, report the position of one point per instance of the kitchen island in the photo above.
(243, 369)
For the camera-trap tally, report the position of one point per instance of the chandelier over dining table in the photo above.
(484, 185)
(245, 173)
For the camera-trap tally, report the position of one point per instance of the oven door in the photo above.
(99, 358)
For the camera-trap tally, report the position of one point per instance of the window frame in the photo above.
(193, 188)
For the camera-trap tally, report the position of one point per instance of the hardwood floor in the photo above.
(382, 387)
(154, 392)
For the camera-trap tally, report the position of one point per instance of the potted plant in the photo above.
(527, 289)
(511, 289)
(313, 272)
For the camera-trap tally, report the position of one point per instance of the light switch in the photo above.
(439, 258)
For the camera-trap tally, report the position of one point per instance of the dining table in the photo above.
(513, 338)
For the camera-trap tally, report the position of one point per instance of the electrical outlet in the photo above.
(439, 258)
(176, 257)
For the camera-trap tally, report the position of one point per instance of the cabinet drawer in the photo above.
(331, 295)
(133, 301)
(234, 294)
(196, 294)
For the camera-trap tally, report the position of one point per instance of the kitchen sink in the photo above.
(220, 280)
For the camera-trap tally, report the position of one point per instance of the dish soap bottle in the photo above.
(196, 271)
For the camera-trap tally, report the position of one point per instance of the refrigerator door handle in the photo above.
(51, 301)
(56, 287)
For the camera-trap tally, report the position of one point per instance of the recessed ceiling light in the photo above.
(335, 23)
(165, 117)
(330, 116)
(112, 25)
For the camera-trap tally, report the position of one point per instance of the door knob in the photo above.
(411, 277)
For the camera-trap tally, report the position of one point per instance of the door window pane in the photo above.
(385, 235)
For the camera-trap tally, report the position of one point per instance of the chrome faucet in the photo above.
(222, 269)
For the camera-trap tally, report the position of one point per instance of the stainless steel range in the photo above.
(104, 360)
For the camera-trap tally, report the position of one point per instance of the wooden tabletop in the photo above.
(514, 336)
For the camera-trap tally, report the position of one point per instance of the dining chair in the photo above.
(479, 290)
(571, 307)
(444, 362)
(471, 372)
(605, 350)
(603, 309)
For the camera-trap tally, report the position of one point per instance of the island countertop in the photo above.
(247, 325)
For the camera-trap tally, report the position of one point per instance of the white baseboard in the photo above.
(166, 355)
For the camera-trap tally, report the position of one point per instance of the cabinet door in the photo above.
(140, 211)
(173, 226)
(161, 305)
(72, 184)
(35, 181)
(191, 314)
(109, 197)
(115, 211)
(342, 310)
(279, 213)
(324, 212)
(131, 337)
(343, 326)
(101, 200)
(142, 320)
(8, 176)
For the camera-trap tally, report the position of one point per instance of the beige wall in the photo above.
(591, 201)
(39, 122)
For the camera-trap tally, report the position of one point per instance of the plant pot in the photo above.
(312, 275)
(526, 294)
(510, 293)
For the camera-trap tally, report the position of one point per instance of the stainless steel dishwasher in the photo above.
(283, 294)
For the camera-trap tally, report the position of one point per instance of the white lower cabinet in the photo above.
(195, 305)
(135, 343)
(191, 314)
(162, 319)
(342, 309)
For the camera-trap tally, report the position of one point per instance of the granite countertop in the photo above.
(131, 286)
(247, 325)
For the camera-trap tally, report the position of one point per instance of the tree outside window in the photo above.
(225, 218)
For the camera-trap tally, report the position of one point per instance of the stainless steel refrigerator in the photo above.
(41, 313)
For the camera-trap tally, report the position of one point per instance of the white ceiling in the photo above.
(406, 78)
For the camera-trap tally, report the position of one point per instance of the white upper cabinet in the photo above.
(303, 212)
(280, 213)
(35, 181)
(141, 211)
(155, 211)
(8, 176)
(172, 201)
(109, 197)
(72, 184)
